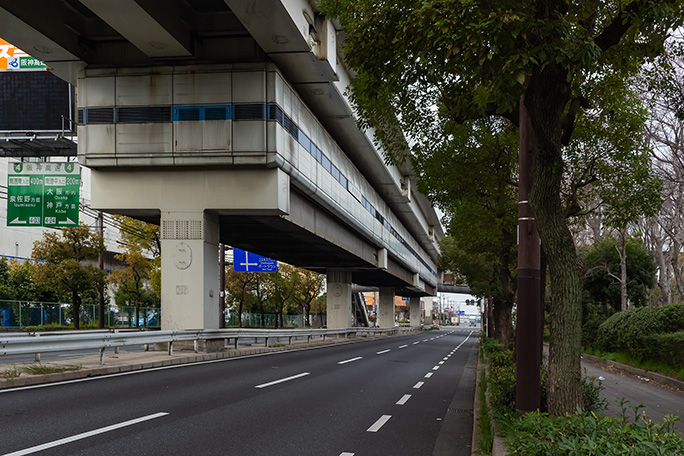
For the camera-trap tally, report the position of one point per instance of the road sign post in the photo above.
(43, 194)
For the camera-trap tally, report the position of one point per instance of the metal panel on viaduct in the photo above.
(228, 121)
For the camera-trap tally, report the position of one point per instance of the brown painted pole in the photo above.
(528, 340)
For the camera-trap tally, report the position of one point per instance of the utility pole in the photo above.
(100, 264)
(528, 340)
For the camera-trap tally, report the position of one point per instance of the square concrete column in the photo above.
(414, 311)
(189, 270)
(386, 307)
(339, 311)
(428, 312)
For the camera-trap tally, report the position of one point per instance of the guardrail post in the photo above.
(290, 341)
(102, 357)
(308, 339)
(116, 349)
(36, 356)
(195, 345)
(170, 348)
(265, 341)
(236, 342)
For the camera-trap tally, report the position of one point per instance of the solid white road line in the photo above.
(418, 385)
(403, 399)
(381, 352)
(429, 374)
(350, 360)
(275, 382)
(85, 435)
(403, 346)
(380, 423)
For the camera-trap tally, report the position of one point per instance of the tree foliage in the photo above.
(422, 65)
(65, 264)
(602, 280)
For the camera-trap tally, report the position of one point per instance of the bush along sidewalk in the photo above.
(585, 433)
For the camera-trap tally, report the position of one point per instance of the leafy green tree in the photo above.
(422, 64)
(65, 264)
(4, 278)
(283, 286)
(471, 177)
(602, 279)
(308, 286)
(238, 289)
(132, 281)
(145, 238)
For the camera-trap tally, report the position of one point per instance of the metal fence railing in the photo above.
(100, 340)
(20, 314)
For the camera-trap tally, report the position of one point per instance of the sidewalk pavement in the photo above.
(89, 366)
(660, 395)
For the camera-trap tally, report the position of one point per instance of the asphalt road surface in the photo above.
(408, 395)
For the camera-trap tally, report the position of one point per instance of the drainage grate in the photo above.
(462, 411)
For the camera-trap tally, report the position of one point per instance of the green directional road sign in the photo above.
(43, 194)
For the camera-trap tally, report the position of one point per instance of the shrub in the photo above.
(536, 434)
(665, 348)
(629, 330)
(609, 331)
(501, 383)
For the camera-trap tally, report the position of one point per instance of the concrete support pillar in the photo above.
(428, 312)
(386, 307)
(189, 270)
(339, 310)
(414, 311)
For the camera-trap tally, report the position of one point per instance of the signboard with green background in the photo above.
(43, 194)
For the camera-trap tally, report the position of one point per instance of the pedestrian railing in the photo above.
(46, 342)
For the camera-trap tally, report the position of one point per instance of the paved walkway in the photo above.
(658, 394)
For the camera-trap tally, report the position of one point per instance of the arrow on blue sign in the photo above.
(244, 261)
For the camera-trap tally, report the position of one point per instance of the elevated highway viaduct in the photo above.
(229, 122)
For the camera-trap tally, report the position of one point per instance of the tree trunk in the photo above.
(503, 322)
(242, 301)
(76, 305)
(546, 98)
(623, 271)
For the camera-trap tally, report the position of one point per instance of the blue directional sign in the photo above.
(461, 312)
(244, 261)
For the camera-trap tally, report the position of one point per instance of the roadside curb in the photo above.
(660, 378)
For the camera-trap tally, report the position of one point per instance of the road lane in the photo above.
(216, 406)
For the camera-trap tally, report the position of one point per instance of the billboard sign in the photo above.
(244, 261)
(43, 194)
(14, 59)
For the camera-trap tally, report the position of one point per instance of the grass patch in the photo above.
(484, 423)
(41, 369)
(10, 373)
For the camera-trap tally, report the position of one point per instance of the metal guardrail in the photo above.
(46, 342)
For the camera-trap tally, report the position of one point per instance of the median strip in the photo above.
(85, 435)
(275, 382)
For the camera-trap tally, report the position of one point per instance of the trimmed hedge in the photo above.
(629, 330)
(665, 348)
